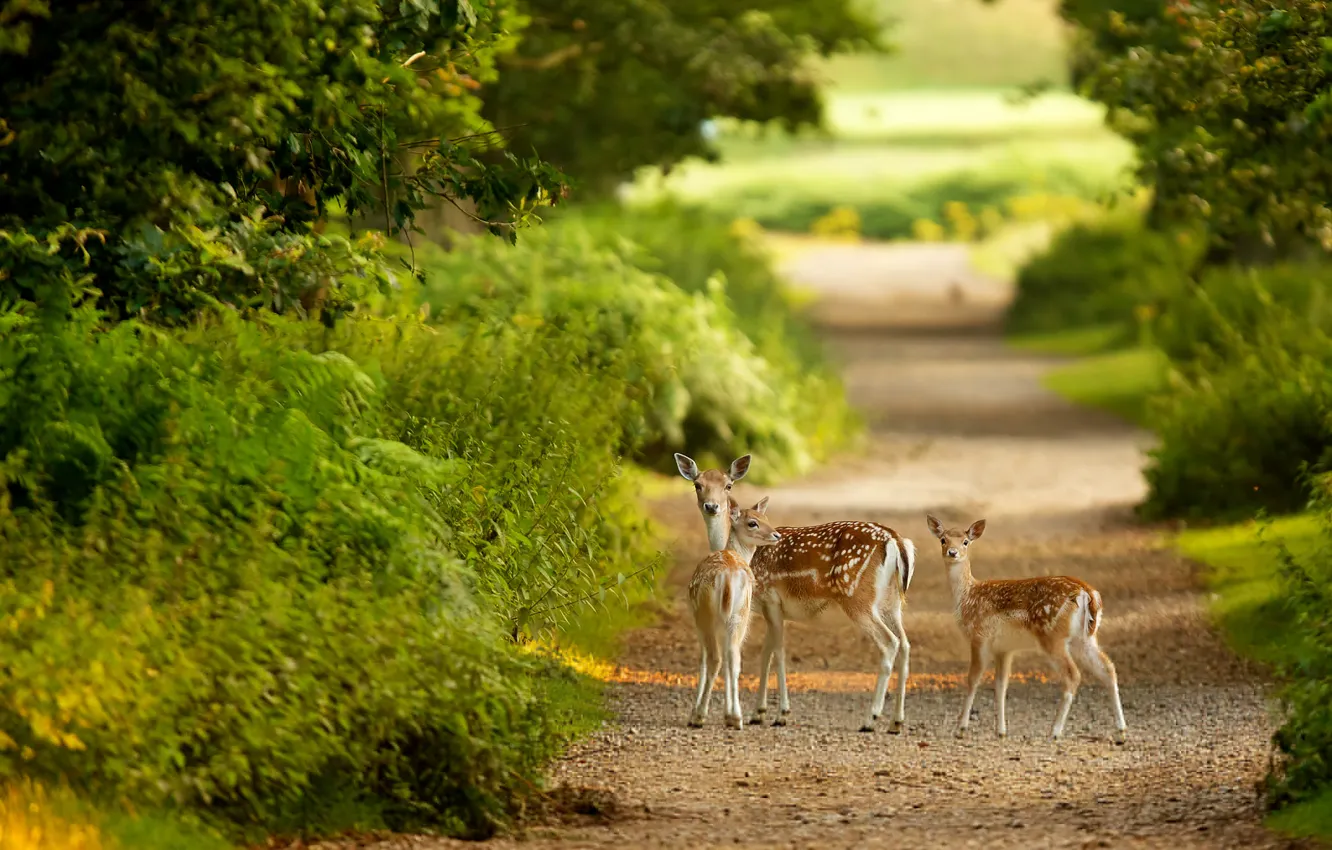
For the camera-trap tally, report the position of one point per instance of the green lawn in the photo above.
(1118, 381)
(900, 156)
(941, 119)
(960, 43)
(1076, 342)
(1242, 573)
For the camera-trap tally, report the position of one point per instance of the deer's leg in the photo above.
(735, 639)
(771, 642)
(706, 674)
(1072, 678)
(871, 624)
(1003, 667)
(894, 622)
(1103, 669)
(776, 620)
(973, 683)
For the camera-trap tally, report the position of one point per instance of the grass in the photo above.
(1248, 606)
(1310, 819)
(942, 119)
(952, 43)
(897, 157)
(1120, 382)
(34, 817)
(1247, 602)
(1074, 342)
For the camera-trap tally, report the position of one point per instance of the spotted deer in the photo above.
(720, 598)
(862, 567)
(1057, 615)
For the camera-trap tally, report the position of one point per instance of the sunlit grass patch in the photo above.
(952, 43)
(1309, 819)
(1120, 382)
(32, 819)
(1242, 573)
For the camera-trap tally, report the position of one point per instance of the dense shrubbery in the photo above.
(257, 560)
(1305, 737)
(1238, 431)
(1100, 273)
(702, 382)
(891, 212)
(1229, 107)
(262, 567)
(1247, 411)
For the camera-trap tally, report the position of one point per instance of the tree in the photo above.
(120, 116)
(1229, 103)
(602, 87)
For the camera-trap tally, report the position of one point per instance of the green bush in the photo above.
(1304, 771)
(256, 566)
(1099, 274)
(1238, 432)
(888, 210)
(1232, 304)
(702, 384)
(284, 575)
(1246, 413)
(690, 247)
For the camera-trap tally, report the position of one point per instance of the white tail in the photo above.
(1057, 615)
(862, 567)
(720, 598)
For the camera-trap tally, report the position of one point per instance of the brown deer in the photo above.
(862, 567)
(720, 596)
(1057, 615)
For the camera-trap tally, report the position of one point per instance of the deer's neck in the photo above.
(743, 552)
(719, 531)
(960, 580)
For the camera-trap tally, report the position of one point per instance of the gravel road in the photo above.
(960, 427)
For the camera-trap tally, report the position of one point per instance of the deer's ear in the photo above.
(739, 467)
(762, 507)
(687, 467)
(936, 527)
(976, 530)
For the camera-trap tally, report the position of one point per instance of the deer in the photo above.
(720, 599)
(1058, 615)
(862, 567)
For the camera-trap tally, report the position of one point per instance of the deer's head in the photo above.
(954, 543)
(751, 527)
(712, 487)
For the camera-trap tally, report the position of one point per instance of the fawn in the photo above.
(720, 595)
(863, 567)
(1055, 614)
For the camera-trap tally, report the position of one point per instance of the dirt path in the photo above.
(960, 427)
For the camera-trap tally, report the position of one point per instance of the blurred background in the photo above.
(341, 341)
